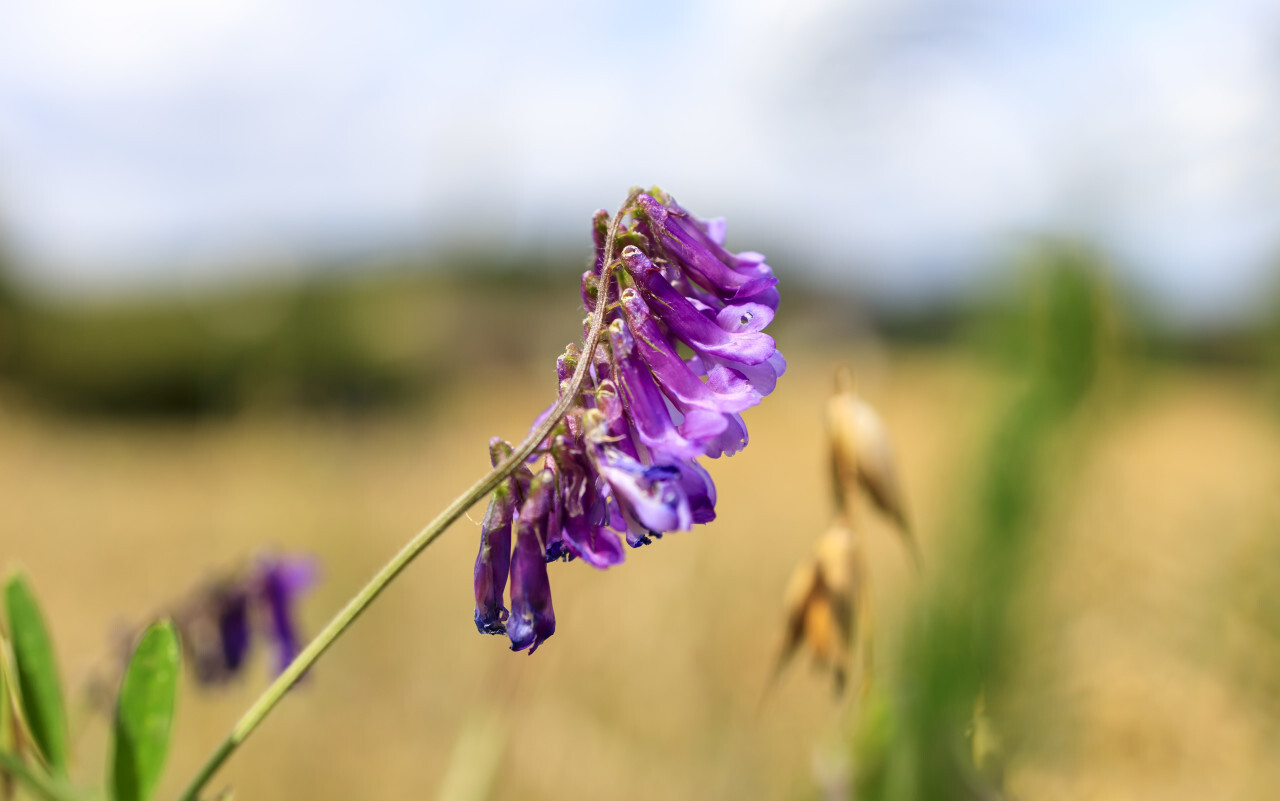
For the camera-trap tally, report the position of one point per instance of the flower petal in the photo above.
(645, 404)
(653, 493)
(743, 344)
(283, 580)
(729, 277)
(532, 619)
(732, 393)
(494, 561)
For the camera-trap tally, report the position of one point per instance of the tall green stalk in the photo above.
(914, 742)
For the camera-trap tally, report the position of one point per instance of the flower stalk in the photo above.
(270, 697)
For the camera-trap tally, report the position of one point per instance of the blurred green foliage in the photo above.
(351, 343)
(918, 736)
(366, 338)
(9, 308)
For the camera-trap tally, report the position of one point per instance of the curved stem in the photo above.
(366, 595)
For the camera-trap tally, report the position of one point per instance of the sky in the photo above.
(901, 147)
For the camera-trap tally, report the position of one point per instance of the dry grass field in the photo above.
(1150, 654)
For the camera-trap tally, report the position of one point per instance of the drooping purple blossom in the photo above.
(623, 463)
(494, 559)
(282, 582)
(532, 618)
(221, 621)
(232, 610)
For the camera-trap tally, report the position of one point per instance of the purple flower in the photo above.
(220, 622)
(584, 511)
(693, 246)
(684, 354)
(283, 581)
(725, 390)
(651, 493)
(732, 334)
(233, 630)
(532, 618)
(216, 630)
(494, 558)
(649, 412)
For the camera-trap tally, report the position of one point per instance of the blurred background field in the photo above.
(271, 275)
(144, 446)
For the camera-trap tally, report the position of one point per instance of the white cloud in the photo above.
(908, 139)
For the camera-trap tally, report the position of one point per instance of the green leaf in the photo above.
(144, 714)
(37, 668)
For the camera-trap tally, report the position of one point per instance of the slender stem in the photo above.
(339, 624)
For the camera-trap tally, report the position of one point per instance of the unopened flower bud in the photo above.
(532, 618)
(862, 456)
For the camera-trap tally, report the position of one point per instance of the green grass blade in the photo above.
(6, 724)
(37, 785)
(39, 687)
(144, 715)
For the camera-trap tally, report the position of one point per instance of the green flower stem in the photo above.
(356, 606)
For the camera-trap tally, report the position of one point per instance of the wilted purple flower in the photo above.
(624, 460)
(218, 623)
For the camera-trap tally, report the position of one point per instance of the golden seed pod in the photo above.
(827, 602)
(862, 457)
(822, 603)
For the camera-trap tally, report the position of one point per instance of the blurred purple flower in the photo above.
(282, 581)
(624, 461)
(219, 622)
(233, 628)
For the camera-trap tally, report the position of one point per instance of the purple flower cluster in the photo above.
(218, 623)
(683, 355)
